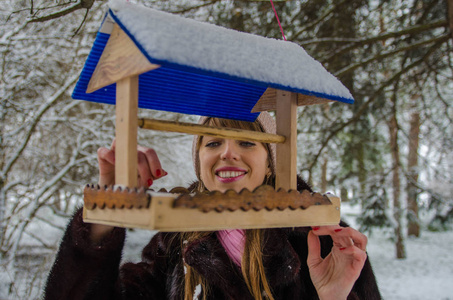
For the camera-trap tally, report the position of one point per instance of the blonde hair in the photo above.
(252, 265)
(191, 276)
(252, 260)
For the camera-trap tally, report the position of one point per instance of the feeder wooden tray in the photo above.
(209, 211)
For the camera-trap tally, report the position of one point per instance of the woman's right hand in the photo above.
(334, 275)
(149, 169)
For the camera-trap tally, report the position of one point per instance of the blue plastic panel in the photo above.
(175, 90)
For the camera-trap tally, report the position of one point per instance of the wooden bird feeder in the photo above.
(150, 59)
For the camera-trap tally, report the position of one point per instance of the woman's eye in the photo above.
(247, 144)
(212, 144)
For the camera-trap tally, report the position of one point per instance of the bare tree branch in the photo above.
(58, 14)
(196, 7)
(87, 4)
(408, 31)
(442, 38)
(83, 22)
(385, 36)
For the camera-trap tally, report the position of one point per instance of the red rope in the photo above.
(275, 12)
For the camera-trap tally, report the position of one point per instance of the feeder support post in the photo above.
(286, 115)
(126, 132)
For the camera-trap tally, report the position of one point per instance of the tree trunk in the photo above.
(2, 181)
(344, 194)
(362, 171)
(450, 16)
(412, 166)
(2, 218)
(397, 207)
(237, 17)
(324, 175)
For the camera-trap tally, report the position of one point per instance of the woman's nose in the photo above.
(230, 150)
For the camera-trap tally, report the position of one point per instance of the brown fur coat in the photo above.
(84, 271)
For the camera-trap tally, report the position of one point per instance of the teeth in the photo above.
(229, 174)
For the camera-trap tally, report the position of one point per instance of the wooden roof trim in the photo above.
(120, 59)
(267, 101)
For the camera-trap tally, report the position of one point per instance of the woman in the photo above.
(292, 263)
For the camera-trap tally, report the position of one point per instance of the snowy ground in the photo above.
(426, 274)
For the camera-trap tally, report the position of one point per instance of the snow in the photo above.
(197, 292)
(426, 273)
(164, 37)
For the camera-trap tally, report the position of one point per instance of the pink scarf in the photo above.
(234, 242)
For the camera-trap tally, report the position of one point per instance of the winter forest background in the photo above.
(389, 156)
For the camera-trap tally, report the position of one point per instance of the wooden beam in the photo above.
(120, 59)
(126, 132)
(197, 129)
(268, 100)
(286, 166)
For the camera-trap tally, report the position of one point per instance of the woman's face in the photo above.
(231, 164)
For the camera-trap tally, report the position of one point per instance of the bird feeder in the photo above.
(143, 58)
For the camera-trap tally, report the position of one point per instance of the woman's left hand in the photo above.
(335, 275)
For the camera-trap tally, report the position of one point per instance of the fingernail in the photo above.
(338, 230)
(342, 248)
(315, 228)
(150, 182)
(158, 172)
(165, 173)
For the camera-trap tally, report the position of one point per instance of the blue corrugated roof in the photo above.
(188, 89)
(170, 89)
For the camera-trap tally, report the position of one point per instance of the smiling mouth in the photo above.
(230, 174)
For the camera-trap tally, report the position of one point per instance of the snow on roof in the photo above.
(207, 69)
